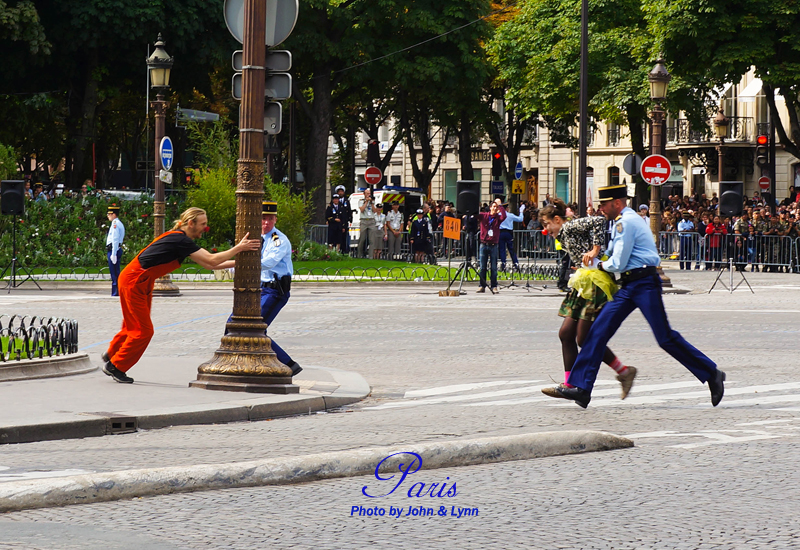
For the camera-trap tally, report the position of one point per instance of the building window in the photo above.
(613, 134)
(613, 176)
(562, 184)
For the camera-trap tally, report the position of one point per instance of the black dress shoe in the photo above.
(581, 397)
(296, 369)
(717, 387)
(116, 374)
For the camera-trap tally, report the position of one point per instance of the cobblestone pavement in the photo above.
(447, 368)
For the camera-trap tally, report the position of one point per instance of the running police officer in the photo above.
(633, 255)
(276, 275)
(116, 234)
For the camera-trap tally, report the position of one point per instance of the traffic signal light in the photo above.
(762, 150)
(497, 164)
(373, 152)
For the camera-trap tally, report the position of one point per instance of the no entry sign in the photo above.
(763, 183)
(656, 169)
(373, 175)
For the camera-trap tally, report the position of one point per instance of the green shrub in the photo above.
(8, 162)
(311, 251)
(216, 194)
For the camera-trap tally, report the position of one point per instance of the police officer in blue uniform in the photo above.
(116, 234)
(276, 275)
(633, 256)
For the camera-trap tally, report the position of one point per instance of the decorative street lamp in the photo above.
(160, 64)
(721, 126)
(244, 360)
(659, 79)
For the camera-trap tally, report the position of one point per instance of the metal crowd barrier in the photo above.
(31, 337)
(767, 252)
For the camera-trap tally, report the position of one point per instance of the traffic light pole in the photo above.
(772, 162)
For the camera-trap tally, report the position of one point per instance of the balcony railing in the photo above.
(739, 129)
(613, 136)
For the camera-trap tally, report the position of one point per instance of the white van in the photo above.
(410, 198)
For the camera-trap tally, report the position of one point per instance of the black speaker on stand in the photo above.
(12, 203)
(468, 203)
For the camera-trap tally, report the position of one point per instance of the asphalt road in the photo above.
(449, 368)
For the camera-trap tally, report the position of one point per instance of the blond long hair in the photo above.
(186, 216)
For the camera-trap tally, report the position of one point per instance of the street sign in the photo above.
(518, 187)
(452, 228)
(498, 188)
(373, 175)
(191, 114)
(273, 117)
(276, 86)
(763, 183)
(165, 177)
(276, 60)
(631, 164)
(281, 18)
(166, 151)
(656, 169)
(518, 171)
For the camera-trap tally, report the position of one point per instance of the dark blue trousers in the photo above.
(507, 242)
(646, 295)
(271, 304)
(113, 269)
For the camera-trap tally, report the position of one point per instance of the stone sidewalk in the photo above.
(93, 405)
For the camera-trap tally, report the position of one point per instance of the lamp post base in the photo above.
(665, 280)
(165, 287)
(245, 363)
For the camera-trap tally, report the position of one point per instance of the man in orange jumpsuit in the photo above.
(136, 282)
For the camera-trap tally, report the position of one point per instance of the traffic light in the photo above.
(373, 152)
(497, 164)
(762, 150)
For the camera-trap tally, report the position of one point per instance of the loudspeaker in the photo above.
(12, 197)
(468, 196)
(730, 198)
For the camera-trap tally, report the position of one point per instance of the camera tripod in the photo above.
(15, 264)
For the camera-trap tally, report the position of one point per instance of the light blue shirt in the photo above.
(508, 223)
(631, 245)
(116, 234)
(686, 225)
(276, 256)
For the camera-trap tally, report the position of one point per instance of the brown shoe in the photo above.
(495, 291)
(553, 392)
(627, 381)
(481, 290)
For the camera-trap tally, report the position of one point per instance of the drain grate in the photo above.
(122, 425)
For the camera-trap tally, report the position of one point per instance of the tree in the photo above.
(537, 54)
(720, 40)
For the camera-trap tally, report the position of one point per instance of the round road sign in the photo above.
(763, 183)
(166, 152)
(281, 18)
(373, 175)
(656, 169)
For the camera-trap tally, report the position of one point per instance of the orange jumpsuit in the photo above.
(136, 296)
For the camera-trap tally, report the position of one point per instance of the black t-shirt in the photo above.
(175, 246)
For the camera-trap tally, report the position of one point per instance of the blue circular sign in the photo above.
(166, 152)
(518, 170)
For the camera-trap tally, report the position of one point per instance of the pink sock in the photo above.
(566, 378)
(618, 367)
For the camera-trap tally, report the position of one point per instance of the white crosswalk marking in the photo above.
(605, 394)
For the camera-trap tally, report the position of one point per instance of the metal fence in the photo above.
(760, 252)
(32, 337)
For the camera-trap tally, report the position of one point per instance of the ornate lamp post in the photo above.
(721, 126)
(659, 79)
(160, 64)
(245, 360)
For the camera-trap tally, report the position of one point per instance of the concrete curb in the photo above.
(46, 367)
(352, 389)
(108, 486)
